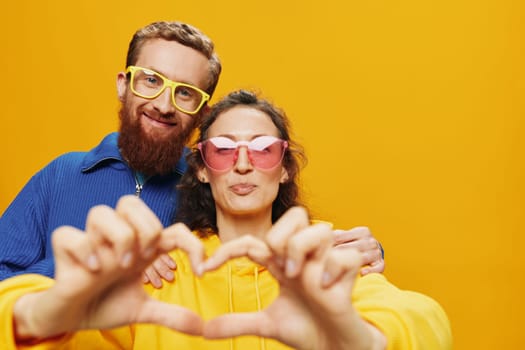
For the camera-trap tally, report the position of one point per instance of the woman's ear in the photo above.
(284, 176)
(122, 85)
(202, 175)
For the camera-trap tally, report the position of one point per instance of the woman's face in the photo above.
(243, 189)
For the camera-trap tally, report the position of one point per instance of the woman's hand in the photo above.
(314, 308)
(98, 280)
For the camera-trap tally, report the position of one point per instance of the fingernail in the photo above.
(290, 267)
(326, 279)
(126, 259)
(199, 269)
(169, 276)
(172, 264)
(92, 262)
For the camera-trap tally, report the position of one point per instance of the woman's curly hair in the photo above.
(196, 206)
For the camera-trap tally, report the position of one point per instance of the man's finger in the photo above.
(151, 276)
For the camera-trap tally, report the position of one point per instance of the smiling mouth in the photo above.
(163, 122)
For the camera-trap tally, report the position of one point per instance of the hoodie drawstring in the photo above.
(262, 340)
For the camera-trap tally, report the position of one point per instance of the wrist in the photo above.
(24, 326)
(32, 321)
(378, 339)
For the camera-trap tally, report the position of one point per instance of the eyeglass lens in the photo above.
(150, 84)
(220, 156)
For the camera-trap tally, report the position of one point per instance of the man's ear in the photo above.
(122, 85)
(202, 175)
(205, 109)
(284, 176)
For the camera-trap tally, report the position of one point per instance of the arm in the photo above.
(22, 233)
(98, 276)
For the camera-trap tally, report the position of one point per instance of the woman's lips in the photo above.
(242, 189)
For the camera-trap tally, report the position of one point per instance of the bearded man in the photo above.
(171, 73)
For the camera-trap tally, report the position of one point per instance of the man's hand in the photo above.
(362, 239)
(162, 268)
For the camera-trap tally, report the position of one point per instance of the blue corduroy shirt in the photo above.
(62, 194)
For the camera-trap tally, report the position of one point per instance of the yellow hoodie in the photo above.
(409, 320)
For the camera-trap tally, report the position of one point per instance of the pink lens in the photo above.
(220, 153)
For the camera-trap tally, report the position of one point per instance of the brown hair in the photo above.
(182, 33)
(196, 207)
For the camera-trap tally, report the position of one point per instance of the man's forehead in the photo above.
(175, 61)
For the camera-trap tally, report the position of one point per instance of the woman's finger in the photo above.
(294, 220)
(237, 324)
(309, 243)
(340, 264)
(179, 236)
(144, 222)
(71, 243)
(106, 229)
(248, 246)
(172, 316)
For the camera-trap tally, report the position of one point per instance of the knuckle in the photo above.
(128, 200)
(97, 211)
(299, 212)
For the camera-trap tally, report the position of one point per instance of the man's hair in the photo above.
(182, 33)
(196, 206)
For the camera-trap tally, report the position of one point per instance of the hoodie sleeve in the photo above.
(13, 288)
(409, 320)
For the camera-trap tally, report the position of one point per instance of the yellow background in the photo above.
(411, 113)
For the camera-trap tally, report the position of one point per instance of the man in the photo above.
(172, 71)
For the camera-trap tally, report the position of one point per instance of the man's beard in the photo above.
(146, 153)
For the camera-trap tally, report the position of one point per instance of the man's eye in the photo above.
(185, 92)
(151, 80)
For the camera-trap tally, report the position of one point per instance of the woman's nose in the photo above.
(243, 164)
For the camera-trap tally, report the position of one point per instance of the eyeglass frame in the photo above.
(238, 145)
(166, 83)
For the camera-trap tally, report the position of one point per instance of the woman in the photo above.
(240, 198)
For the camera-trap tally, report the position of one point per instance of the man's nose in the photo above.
(163, 103)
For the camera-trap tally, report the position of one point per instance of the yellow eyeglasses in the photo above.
(149, 84)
